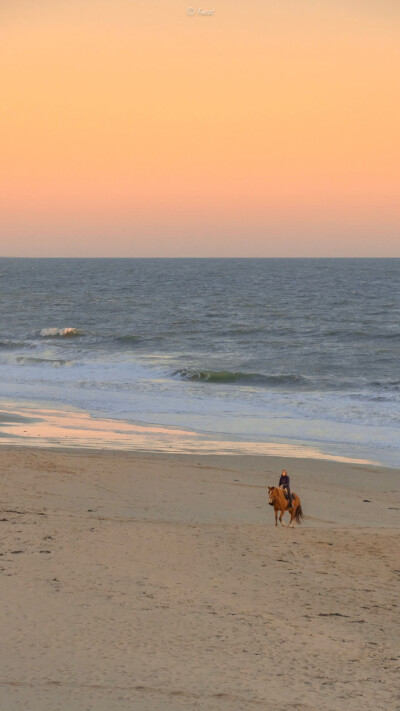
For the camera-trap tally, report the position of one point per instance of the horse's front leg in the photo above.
(280, 518)
(276, 517)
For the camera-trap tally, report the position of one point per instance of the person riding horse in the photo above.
(284, 483)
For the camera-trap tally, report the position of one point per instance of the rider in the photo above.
(284, 483)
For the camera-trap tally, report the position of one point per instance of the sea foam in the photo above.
(48, 332)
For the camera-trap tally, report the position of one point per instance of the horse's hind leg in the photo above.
(276, 517)
(292, 511)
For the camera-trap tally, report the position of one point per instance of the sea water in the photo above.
(297, 351)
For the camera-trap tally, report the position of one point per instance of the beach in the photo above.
(135, 580)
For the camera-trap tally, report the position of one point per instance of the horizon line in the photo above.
(198, 257)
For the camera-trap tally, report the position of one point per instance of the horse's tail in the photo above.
(298, 514)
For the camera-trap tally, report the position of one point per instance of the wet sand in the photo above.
(146, 582)
(33, 425)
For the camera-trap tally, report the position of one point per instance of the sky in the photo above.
(134, 128)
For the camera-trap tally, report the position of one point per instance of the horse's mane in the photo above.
(276, 489)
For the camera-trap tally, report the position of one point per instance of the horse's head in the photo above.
(272, 493)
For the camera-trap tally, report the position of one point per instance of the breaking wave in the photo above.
(60, 332)
(226, 376)
(52, 362)
(6, 344)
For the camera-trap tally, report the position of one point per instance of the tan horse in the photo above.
(278, 500)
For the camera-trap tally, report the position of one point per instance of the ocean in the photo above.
(297, 351)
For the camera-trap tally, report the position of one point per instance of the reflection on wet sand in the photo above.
(51, 427)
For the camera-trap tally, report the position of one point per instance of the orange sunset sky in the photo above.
(269, 128)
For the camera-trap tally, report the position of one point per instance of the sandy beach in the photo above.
(143, 581)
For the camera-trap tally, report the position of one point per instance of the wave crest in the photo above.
(10, 344)
(60, 332)
(226, 376)
(52, 362)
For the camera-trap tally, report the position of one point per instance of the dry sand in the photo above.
(145, 582)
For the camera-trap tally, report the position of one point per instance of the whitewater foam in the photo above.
(61, 332)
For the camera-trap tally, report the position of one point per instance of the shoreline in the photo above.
(30, 424)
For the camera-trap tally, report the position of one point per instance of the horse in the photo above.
(278, 500)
